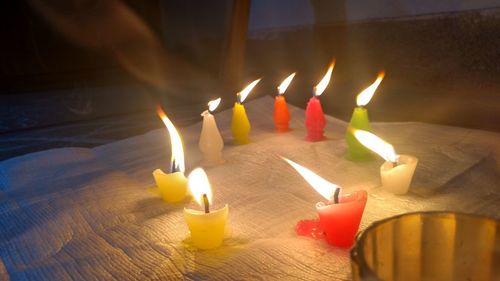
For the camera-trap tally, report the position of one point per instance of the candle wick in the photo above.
(238, 98)
(336, 196)
(173, 166)
(395, 164)
(206, 204)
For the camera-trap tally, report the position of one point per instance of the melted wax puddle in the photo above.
(310, 228)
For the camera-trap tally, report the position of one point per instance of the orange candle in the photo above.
(281, 114)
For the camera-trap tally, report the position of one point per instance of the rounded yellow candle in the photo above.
(240, 126)
(207, 229)
(172, 187)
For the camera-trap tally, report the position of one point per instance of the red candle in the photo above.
(315, 119)
(340, 221)
(281, 114)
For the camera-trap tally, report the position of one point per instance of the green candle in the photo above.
(359, 121)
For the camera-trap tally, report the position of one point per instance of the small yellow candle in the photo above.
(206, 227)
(240, 126)
(172, 187)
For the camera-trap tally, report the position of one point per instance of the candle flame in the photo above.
(320, 88)
(244, 93)
(322, 186)
(198, 185)
(213, 104)
(366, 95)
(284, 85)
(177, 158)
(377, 145)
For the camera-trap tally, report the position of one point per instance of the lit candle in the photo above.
(339, 218)
(240, 126)
(172, 186)
(315, 119)
(359, 121)
(281, 114)
(211, 143)
(207, 226)
(397, 172)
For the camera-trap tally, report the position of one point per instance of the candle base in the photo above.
(397, 179)
(314, 136)
(282, 129)
(172, 187)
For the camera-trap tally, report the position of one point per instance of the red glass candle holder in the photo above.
(340, 221)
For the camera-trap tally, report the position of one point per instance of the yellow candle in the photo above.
(172, 187)
(240, 126)
(206, 227)
(207, 230)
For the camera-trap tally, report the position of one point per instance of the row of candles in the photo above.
(339, 217)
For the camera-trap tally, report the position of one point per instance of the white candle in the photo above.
(397, 179)
(211, 143)
(396, 173)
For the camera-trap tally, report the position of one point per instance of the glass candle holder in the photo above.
(428, 246)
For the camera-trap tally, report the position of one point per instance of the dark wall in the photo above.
(440, 69)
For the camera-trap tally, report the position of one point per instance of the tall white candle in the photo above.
(211, 143)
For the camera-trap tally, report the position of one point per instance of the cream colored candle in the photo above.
(207, 227)
(397, 172)
(211, 143)
(397, 179)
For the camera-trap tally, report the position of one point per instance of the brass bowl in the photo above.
(428, 246)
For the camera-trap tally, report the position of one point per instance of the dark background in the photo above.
(441, 68)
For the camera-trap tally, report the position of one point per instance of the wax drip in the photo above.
(206, 204)
(309, 228)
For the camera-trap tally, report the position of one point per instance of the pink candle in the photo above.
(340, 221)
(315, 119)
